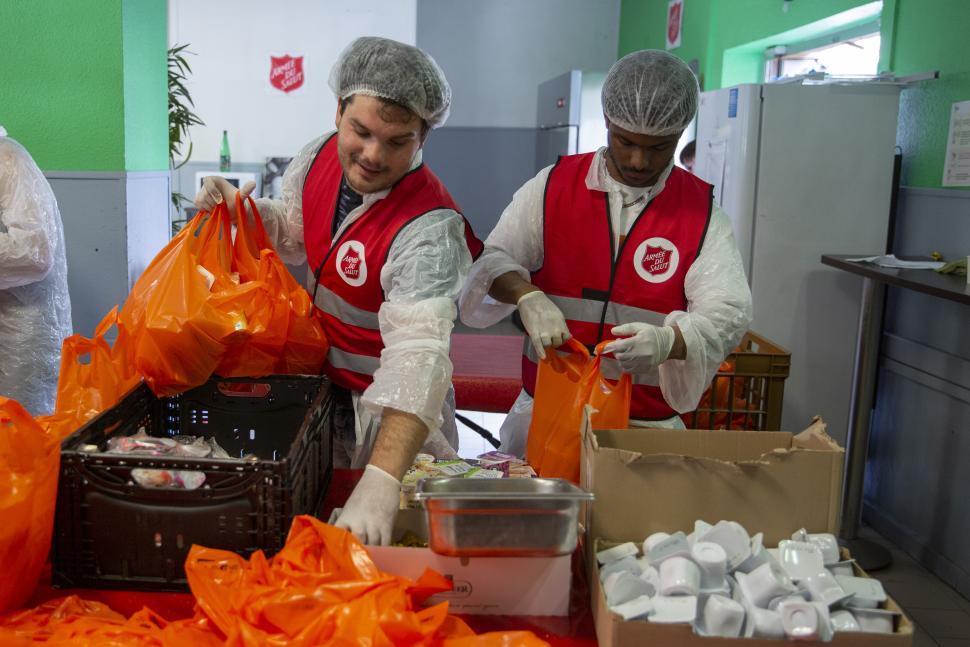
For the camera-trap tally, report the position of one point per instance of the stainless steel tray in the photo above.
(501, 517)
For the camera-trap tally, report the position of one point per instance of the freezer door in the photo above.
(728, 132)
(824, 185)
(551, 143)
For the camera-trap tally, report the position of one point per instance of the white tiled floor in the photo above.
(941, 615)
(470, 444)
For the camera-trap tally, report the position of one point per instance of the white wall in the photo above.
(495, 53)
(233, 41)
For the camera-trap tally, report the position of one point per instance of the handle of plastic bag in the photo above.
(607, 384)
(253, 234)
(573, 348)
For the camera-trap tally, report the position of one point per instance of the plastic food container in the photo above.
(501, 517)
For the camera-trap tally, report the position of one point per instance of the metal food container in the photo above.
(501, 517)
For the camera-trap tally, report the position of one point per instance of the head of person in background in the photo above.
(687, 155)
(649, 98)
(389, 97)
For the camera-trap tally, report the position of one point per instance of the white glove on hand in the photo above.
(372, 507)
(643, 346)
(543, 321)
(216, 189)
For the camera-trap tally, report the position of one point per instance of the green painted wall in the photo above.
(65, 81)
(930, 36)
(728, 38)
(145, 43)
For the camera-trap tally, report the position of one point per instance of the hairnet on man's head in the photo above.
(402, 73)
(650, 92)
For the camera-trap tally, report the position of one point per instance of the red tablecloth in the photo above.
(575, 630)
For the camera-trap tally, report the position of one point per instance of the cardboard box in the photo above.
(518, 586)
(613, 631)
(655, 480)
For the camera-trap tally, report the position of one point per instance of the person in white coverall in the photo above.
(388, 252)
(620, 245)
(35, 307)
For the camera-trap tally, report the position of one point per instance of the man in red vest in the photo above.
(388, 251)
(620, 244)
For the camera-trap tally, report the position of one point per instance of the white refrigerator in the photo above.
(803, 170)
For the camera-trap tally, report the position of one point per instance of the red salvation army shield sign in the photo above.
(286, 72)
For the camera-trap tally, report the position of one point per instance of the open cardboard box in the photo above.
(518, 586)
(659, 480)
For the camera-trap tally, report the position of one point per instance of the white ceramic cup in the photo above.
(652, 541)
(829, 546)
(652, 577)
(625, 587)
(733, 538)
(674, 545)
(629, 564)
(723, 617)
(843, 620)
(712, 560)
(800, 619)
(764, 584)
(762, 623)
(824, 588)
(679, 576)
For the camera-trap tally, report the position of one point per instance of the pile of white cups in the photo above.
(726, 583)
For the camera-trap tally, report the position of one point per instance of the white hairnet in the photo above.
(385, 68)
(650, 92)
(35, 307)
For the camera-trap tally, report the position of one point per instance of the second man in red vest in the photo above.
(620, 244)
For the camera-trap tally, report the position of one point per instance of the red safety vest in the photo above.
(644, 283)
(347, 270)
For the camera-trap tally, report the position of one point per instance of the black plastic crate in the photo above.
(112, 533)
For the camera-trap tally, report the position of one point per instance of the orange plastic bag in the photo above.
(177, 334)
(81, 623)
(29, 463)
(564, 386)
(86, 389)
(322, 588)
(209, 305)
(287, 332)
(717, 396)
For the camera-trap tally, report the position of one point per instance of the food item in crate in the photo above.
(727, 584)
(183, 479)
(141, 444)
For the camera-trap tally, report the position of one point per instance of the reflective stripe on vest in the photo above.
(346, 271)
(331, 303)
(609, 367)
(598, 286)
(591, 311)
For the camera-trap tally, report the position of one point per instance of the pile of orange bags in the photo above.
(321, 589)
(565, 384)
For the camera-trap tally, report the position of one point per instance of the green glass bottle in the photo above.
(224, 160)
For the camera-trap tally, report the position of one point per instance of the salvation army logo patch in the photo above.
(351, 263)
(656, 260)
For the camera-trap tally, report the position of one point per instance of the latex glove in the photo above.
(370, 511)
(216, 189)
(643, 346)
(438, 446)
(543, 321)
